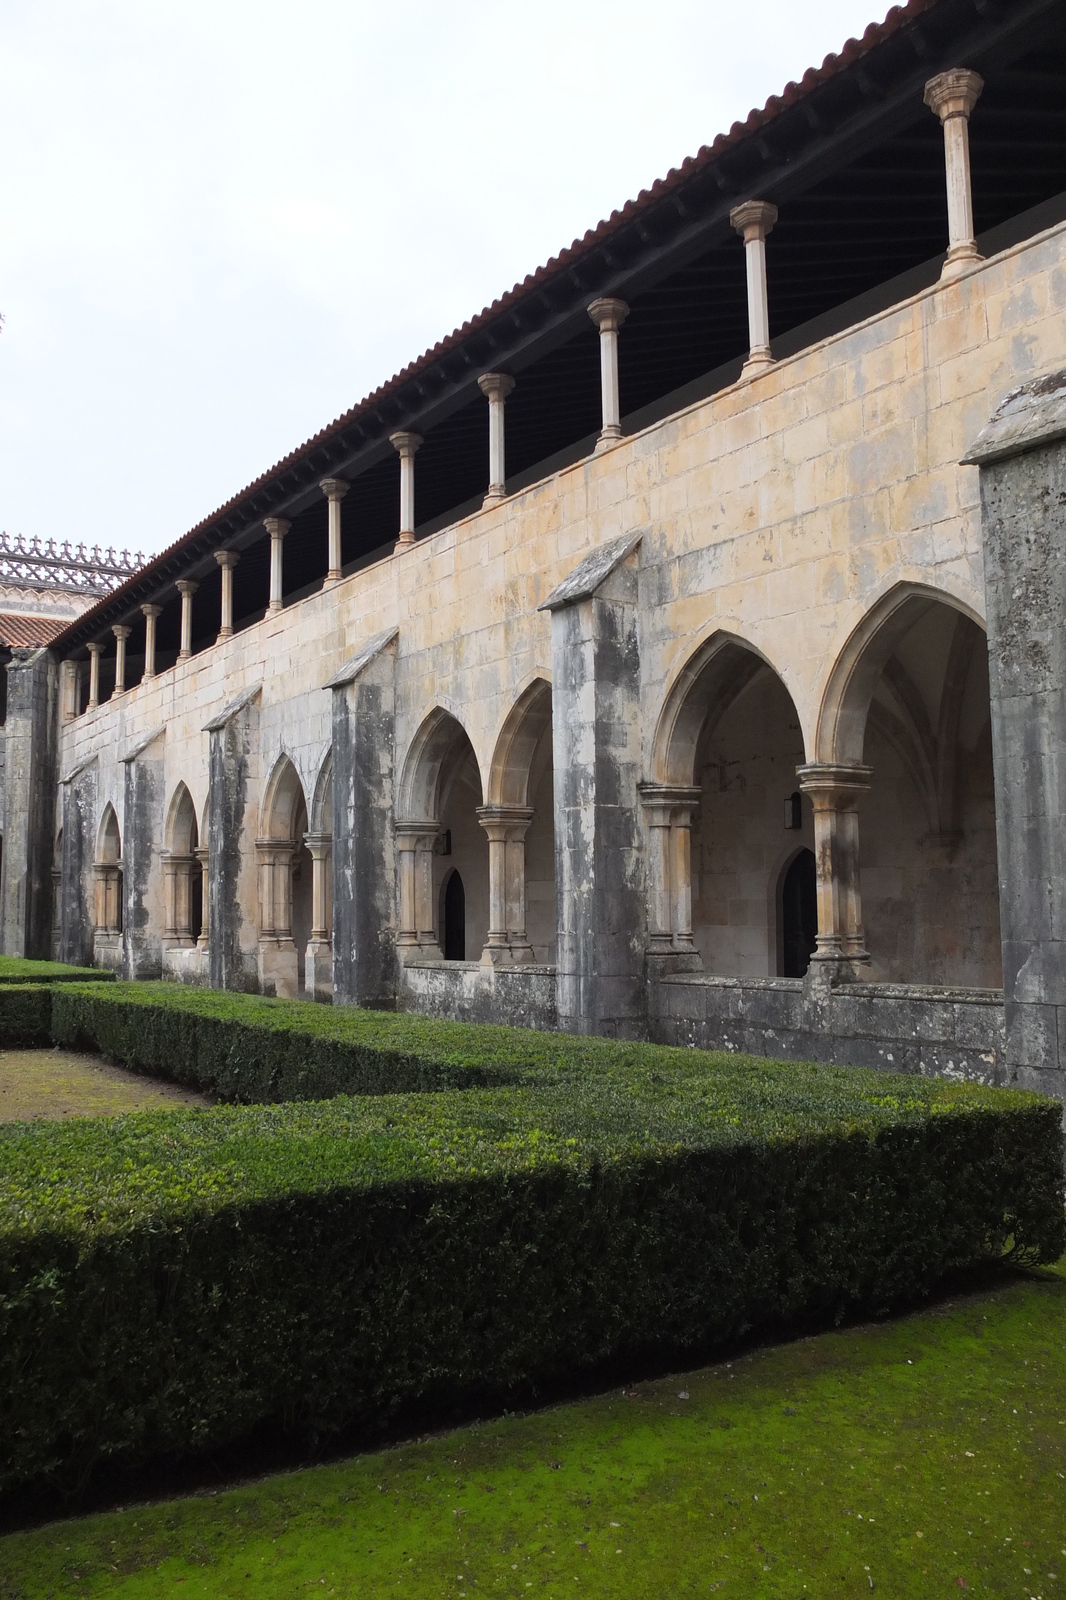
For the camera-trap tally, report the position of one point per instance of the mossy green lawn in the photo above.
(19, 969)
(915, 1458)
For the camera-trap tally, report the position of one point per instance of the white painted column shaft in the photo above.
(952, 96)
(95, 651)
(609, 315)
(334, 490)
(122, 633)
(186, 588)
(496, 386)
(277, 528)
(753, 221)
(227, 560)
(150, 615)
(406, 446)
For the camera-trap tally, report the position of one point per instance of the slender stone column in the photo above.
(278, 958)
(609, 315)
(668, 809)
(506, 827)
(203, 855)
(186, 588)
(227, 560)
(150, 615)
(835, 792)
(753, 221)
(69, 690)
(406, 446)
(496, 386)
(953, 95)
(96, 650)
(122, 633)
(177, 900)
(277, 527)
(334, 490)
(321, 948)
(417, 933)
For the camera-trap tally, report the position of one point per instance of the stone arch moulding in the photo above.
(516, 746)
(419, 792)
(714, 673)
(109, 837)
(182, 832)
(321, 818)
(841, 728)
(282, 798)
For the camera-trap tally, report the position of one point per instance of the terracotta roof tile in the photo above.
(19, 632)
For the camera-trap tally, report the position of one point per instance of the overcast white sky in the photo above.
(223, 222)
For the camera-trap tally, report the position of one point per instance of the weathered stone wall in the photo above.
(782, 512)
(29, 803)
(893, 1027)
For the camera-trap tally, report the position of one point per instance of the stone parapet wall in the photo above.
(947, 1033)
(465, 991)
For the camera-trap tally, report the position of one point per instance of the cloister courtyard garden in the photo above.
(295, 1297)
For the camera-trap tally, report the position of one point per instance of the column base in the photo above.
(411, 954)
(608, 436)
(279, 969)
(662, 963)
(959, 258)
(332, 579)
(759, 360)
(493, 498)
(319, 972)
(829, 969)
(404, 542)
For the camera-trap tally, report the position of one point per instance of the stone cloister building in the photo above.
(675, 650)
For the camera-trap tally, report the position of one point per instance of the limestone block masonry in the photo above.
(812, 529)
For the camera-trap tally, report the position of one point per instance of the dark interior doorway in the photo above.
(799, 915)
(455, 918)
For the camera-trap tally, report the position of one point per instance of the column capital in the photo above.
(608, 314)
(334, 488)
(953, 93)
(186, 586)
(670, 795)
(227, 558)
(318, 841)
(409, 831)
(121, 630)
(505, 817)
(832, 785)
(753, 219)
(95, 647)
(277, 527)
(406, 445)
(495, 385)
(152, 611)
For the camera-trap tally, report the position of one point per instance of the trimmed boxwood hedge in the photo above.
(170, 1281)
(25, 1015)
(19, 969)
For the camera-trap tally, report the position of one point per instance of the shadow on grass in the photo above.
(272, 1449)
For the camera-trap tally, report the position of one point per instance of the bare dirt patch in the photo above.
(62, 1083)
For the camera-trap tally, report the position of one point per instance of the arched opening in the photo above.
(720, 815)
(183, 874)
(107, 886)
(798, 914)
(453, 917)
(519, 820)
(910, 700)
(438, 833)
(285, 885)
